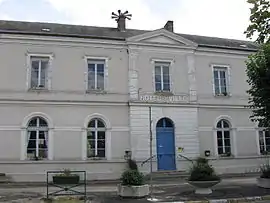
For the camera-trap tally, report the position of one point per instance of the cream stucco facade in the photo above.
(68, 107)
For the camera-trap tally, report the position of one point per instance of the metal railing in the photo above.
(148, 159)
(188, 159)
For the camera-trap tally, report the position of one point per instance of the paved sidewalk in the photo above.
(163, 192)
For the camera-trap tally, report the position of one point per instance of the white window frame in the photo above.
(264, 140)
(232, 136)
(98, 58)
(96, 129)
(24, 135)
(108, 134)
(36, 129)
(29, 70)
(170, 63)
(228, 79)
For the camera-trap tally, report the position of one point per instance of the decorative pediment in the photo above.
(161, 37)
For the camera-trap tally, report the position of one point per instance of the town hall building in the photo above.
(87, 98)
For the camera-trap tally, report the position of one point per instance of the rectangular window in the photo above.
(162, 77)
(96, 70)
(39, 72)
(264, 141)
(220, 80)
(96, 144)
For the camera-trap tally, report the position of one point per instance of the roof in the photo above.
(19, 27)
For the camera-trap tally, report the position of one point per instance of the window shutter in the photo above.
(171, 76)
(229, 81)
(86, 80)
(28, 73)
(106, 75)
(48, 74)
(213, 81)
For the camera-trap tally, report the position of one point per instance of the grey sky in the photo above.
(220, 18)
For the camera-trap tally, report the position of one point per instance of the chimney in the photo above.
(121, 23)
(169, 26)
(120, 18)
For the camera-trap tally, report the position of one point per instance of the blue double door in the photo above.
(165, 145)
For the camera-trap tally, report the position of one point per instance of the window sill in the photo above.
(38, 90)
(96, 159)
(164, 93)
(96, 92)
(228, 95)
(226, 157)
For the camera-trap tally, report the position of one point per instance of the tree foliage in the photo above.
(258, 72)
(259, 21)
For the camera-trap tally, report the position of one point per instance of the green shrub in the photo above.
(202, 171)
(132, 177)
(265, 171)
(132, 165)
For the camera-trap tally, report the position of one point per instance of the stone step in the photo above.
(4, 178)
(158, 175)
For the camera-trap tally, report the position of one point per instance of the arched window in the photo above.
(164, 123)
(37, 138)
(264, 139)
(96, 138)
(223, 137)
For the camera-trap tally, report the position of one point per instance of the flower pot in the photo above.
(263, 182)
(133, 191)
(203, 187)
(66, 180)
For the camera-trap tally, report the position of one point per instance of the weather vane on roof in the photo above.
(120, 15)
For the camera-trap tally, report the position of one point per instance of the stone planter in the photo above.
(133, 191)
(66, 180)
(203, 187)
(263, 182)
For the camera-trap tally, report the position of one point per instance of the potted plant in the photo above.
(264, 179)
(133, 182)
(66, 178)
(203, 176)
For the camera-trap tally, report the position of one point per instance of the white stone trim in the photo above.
(258, 142)
(97, 43)
(232, 134)
(171, 70)
(106, 70)
(61, 41)
(24, 134)
(97, 115)
(219, 52)
(224, 117)
(37, 114)
(133, 75)
(156, 60)
(64, 103)
(234, 142)
(160, 32)
(84, 146)
(29, 66)
(192, 77)
(64, 128)
(23, 144)
(120, 129)
(228, 77)
(211, 128)
(51, 145)
(10, 128)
